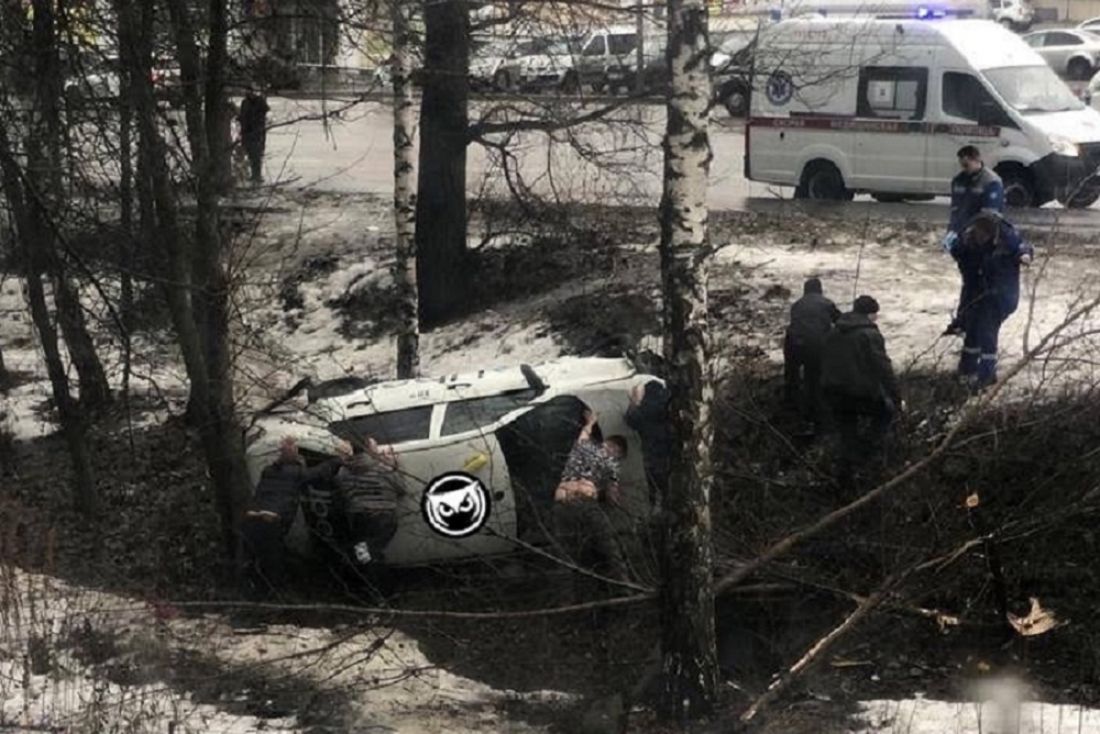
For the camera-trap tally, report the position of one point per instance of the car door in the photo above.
(959, 100)
(890, 145)
(479, 455)
(593, 58)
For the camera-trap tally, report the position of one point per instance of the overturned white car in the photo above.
(489, 445)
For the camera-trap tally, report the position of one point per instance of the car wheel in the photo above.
(570, 84)
(1007, 23)
(736, 101)
(822, 181)
(602, 84)
(1079, 69)
(1019, 186)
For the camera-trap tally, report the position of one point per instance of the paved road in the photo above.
(619, 161)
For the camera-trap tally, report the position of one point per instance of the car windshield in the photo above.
(1033, 89)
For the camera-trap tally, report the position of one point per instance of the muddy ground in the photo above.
(316, 300)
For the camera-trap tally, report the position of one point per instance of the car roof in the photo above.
(560, 375)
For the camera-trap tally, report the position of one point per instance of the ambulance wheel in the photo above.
(821, 180)
(1019, 186)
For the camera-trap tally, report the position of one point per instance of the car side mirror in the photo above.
(988, 114)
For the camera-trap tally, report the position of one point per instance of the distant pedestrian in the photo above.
(989, 253)
(975, 189)
(859, 385)
(253, 124)
(812, 318)
(272, 511)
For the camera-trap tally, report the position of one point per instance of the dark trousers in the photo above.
(969, 292)
(802, 378)
(377, 528)
(983, 327)
(862, 426)
(254, 146)
(265, 552)
(588, 540)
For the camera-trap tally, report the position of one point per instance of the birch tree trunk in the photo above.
(689, 660)
(442, 266)
(404, 198)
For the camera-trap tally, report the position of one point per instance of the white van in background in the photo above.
(881, 106)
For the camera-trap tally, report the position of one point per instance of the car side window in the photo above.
(1036, 40)
(470, 415)
(621, 44)
(395, 426)
(1062, 39)
(964, 95)
(596, 47)
(892, 92)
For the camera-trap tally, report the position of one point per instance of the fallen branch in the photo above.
(780, 684)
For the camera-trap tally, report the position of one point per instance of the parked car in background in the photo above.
(489, 63)
(1074, 53)
(99, 82)
(731, 71)
(546, 64)
(510, 430)
(1016, 15)
(1091, 94)
(608, 59)
(1092, 24)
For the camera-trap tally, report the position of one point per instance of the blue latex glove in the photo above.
(949, 241)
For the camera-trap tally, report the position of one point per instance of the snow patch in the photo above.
(921, 716)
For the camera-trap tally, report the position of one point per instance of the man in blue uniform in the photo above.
(974, 190)
(990, 253)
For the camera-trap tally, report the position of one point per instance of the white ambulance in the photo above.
(881, 106)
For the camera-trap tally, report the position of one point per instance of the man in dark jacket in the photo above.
(273, 509)
(990, 253)
(253, 121)
(370, 489)
(859, 385)
(812, 318)
(974, 190)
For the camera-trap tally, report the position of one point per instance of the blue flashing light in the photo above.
(924, 13)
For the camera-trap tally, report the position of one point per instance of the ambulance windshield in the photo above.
(1033, 89)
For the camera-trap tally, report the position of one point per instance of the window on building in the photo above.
(894, 93)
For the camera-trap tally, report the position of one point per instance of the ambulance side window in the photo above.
(964, 95)
(892, 92)
(395, 426)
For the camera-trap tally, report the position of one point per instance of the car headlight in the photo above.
(1064, 146)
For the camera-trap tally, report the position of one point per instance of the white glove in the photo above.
(949, 241)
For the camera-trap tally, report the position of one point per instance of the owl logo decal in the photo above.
(456, 504)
